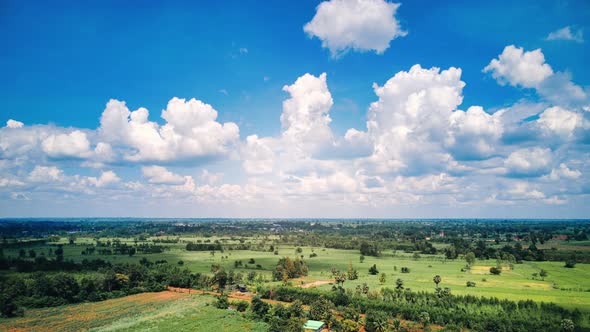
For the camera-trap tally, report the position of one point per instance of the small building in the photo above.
(313, 325)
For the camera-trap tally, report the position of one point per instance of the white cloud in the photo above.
(305, 119)
(210, 177)
(14, 124)
(191, 131)
(411, 118)
(46, 174)
(564, 172)
(517, 67)
(560, 121)
(474, 134)
(106, 178)
(362, 25)
(566, 33)
(529, 162)
(160, 175)
(74, 145)
(258, 155)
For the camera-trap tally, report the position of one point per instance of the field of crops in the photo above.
(165, 311)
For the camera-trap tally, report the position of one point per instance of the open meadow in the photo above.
(163, 311)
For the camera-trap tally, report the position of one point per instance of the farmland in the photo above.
(163, 311)
(403, 263)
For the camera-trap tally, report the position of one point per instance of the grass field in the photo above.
(567, 287)
(165, 311)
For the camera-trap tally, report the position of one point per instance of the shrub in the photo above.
(373, 270)
(222, 302)
(242, 306)
(570, 264)
(470, 284)
(405, 269)
(495, 270)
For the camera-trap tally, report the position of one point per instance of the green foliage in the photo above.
(495, 270)
(321, 309)
(369, 249)
(222, 302)
(570, 264)
(376, 321)
(288, 268)
(373, 270)
(437, 279)
(241, 306)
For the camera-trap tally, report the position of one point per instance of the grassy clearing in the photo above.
(567, 287)
(165, 311)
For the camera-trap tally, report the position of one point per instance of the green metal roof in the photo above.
(313, 324)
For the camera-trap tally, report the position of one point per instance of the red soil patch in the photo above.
(315, 284)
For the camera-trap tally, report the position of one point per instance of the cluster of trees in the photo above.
(441, 308)
(204, 247)
(288, 268)
(101, 280)
(369, 249)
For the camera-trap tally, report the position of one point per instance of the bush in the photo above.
(470, 284)
(495, 270)
(222, 302)
(570, 264)
(242, 306)
(373, 270)
(405, 269)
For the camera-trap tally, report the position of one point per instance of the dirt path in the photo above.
(315, 284)
(233, 295)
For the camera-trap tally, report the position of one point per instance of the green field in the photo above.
(165, 311)
(567, 287)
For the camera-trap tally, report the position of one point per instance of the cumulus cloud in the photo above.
(72, 145)
(474, 134)
(564, 172)
(411, 117)
(566, 33)
(160, 175)
(560, 122)
(529, 162)
(305, 119)
(46, 174)
(361, 25)
(105, 179)
(14, 124)
(191, 131)
(517, 67)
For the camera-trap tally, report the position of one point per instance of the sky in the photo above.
(339, 108)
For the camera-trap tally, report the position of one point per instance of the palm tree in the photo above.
(437, 279)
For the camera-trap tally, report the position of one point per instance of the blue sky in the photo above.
(63, 61)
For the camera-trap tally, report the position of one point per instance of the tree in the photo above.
(220, 279)
(567, 325)
(382, 278)
(321, 309)
(222, 302)
(376, 321)
(362, 258)
(424, 318)
(436, 280)
(470, 258)
(570, 264)
(351, 273)
(543, 273)
(259, 307)
(399, 284)
(495, 270)
(373, 270)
